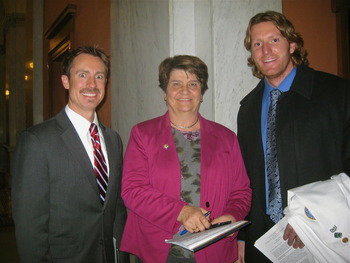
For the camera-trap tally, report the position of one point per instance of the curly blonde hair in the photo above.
(299, 57)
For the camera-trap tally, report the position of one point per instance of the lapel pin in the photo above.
(338, 235)
(165, 146)
(308, 214)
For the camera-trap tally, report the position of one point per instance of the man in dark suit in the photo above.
(61, 213)
(312, 123)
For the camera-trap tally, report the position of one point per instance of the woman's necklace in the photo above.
(185, 127)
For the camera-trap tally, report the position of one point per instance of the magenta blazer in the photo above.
(151, 188)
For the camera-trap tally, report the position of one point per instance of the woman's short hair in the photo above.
(187, 63)
(299, 57)
(90, 50)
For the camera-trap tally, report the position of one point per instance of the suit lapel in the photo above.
(209, 149)
(252, 105)
(258, 182)
(113, 161)
(208, 145)
(166, 155)
(75, 146)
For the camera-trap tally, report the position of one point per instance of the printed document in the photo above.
(277, 250)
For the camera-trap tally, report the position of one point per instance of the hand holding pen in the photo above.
(185, 230)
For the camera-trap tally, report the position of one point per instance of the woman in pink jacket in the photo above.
(178, 167)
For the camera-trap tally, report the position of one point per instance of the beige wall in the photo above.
(316, 22)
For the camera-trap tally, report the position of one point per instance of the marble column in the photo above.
(145, 32)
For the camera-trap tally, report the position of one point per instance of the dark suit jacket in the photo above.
(313, 140)
(56, 205)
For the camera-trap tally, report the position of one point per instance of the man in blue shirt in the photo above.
(312, 123)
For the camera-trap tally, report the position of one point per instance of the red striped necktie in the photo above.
(100, 166)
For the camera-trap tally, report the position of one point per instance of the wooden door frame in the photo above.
(59, 38)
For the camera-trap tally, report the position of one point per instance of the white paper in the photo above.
(277, 250)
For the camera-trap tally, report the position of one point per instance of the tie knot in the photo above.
(93, 129)
(275, 94)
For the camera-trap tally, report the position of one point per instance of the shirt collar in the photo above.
(285, 85)
(80, 124)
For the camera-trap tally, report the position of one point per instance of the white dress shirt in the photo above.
(82, 126)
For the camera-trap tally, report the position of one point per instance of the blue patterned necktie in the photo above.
(275, 199)
(100, 166)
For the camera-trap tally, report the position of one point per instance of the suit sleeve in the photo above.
(30, 194)
(121, 213)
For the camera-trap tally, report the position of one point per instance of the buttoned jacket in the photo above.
(151, 188)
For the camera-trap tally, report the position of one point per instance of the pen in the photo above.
(185, 231)
(207, 213)
(220, 224)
